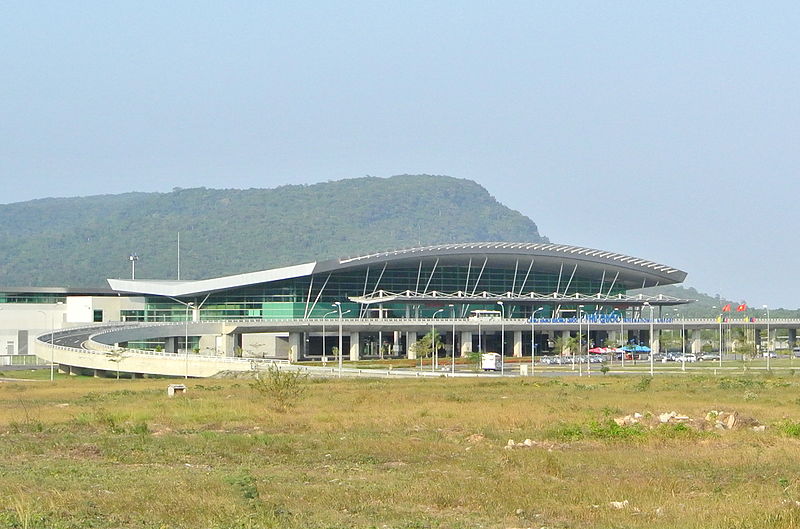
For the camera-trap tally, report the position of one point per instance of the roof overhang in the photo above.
(178, 289)
(630, 272)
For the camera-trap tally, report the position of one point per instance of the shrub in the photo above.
(283, 389)
(643, 384)
(789, 428)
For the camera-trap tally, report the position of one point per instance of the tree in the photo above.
(422, 347)
(117, 356)
(742, 343)
(282, 389)
(571, 345)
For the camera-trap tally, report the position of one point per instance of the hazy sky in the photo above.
(664, 130)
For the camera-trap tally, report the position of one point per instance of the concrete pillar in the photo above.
(171, 345)
(517, 344)
(564, 336)
(396, 344)
(466, 343)
(230, 343)
(697, 342)
(773, 336)
(355, 346)
(295, 346)
(411, 339)
(792, 338)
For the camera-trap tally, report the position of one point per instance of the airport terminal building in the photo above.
(385, 300)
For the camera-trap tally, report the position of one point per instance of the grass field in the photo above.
(98, 453)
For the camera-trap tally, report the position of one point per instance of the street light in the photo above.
(434, 356)
(720, 333)
(622, 337)
(324, 356)
(502, 337)
(338, 305)
(133, 258)
(52, 339)
(683, 340)
(768, 352)
(647, 304)
(533, 339)
(186, 339)
(579, 313)
(453, 361)
(588, 345)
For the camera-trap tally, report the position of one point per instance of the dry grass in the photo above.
(402, 453)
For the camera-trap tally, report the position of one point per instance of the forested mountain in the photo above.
(82, 241)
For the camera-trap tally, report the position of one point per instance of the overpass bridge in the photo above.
(102, 348)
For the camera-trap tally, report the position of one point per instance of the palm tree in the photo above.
(571, 345)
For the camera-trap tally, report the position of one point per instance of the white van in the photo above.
(490, 361)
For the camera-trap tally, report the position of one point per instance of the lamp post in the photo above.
(453, 361)
(338, 305)
(719, 320)
(186, 340)
(434, 356)
(647, 304)
(325, 356)
(622, 336)
(768, 340)
(533, 339)
(579, 313)
(588, 345)
(52, 340)
(133, 258)
(502, 337)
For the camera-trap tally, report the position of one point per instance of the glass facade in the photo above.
(32, 297)
(313, 296)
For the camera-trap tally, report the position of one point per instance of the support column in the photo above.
(396, 343)
(517, 344)
(466, 343)
(411, 339)
(564, 336)
(171, 345)
(655, 342)
(295, 346)
(792, 338)
(355, 346)
(231, 343)
(697, 342)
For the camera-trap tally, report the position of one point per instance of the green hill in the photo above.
(706, 305)
(82, 241)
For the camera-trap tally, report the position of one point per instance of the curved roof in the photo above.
(630, 271)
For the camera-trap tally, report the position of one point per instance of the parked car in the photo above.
(796, 352)
(770, 355)
(709, 356)
(686, 358)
